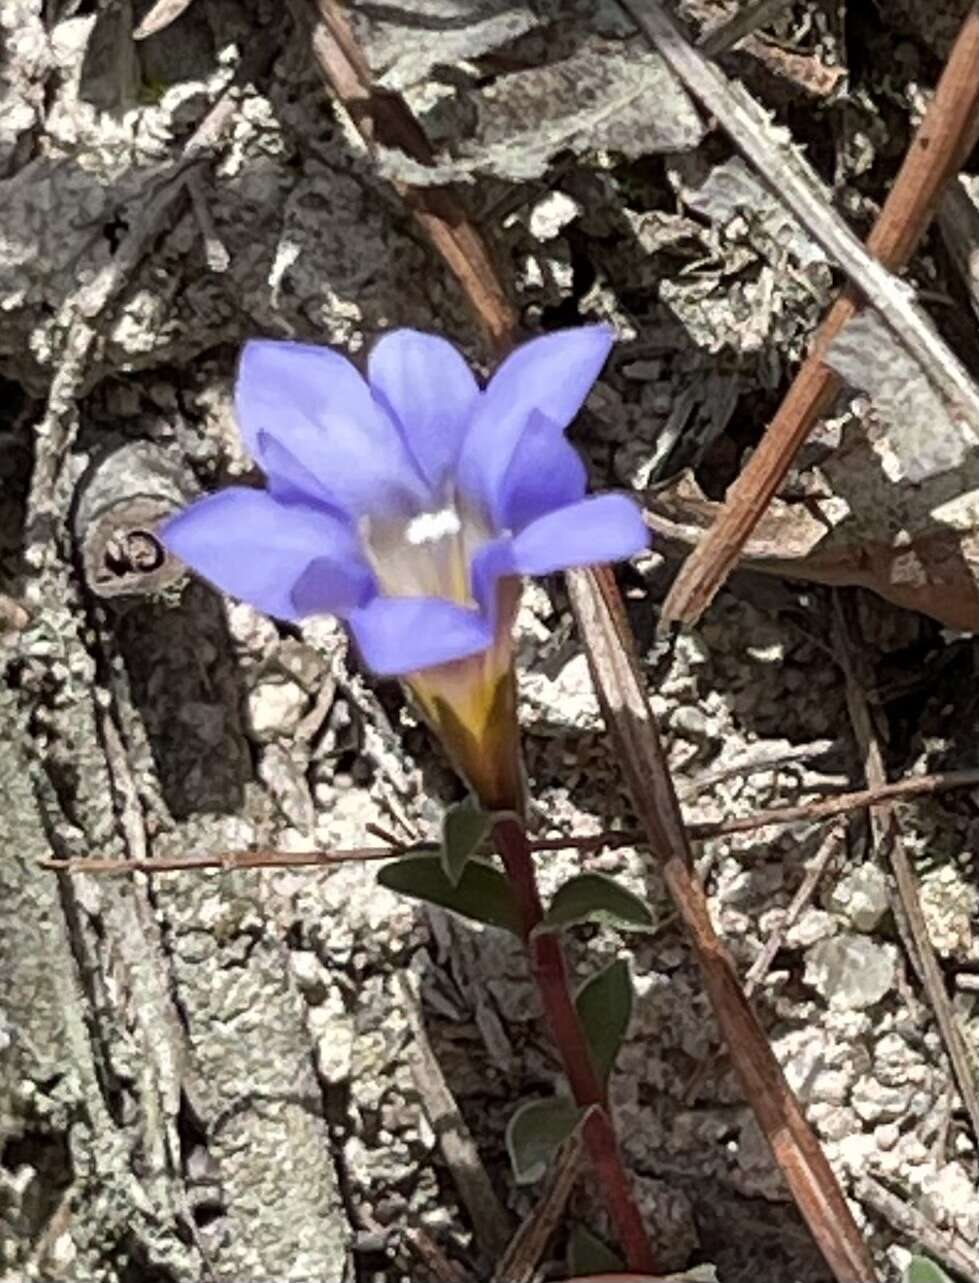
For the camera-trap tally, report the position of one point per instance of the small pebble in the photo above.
(850, 971)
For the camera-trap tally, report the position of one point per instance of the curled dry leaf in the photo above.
(933, 571)
(604, 95)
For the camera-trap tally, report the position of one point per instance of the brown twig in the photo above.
(761, 966)
(519, 1263)
(747, 19)
(697, 830)
(889, 829)
(943, 140)
(160, 16)
(793, 1143)
(842, 804)
(489, 1216)
(383, 119)
(430, 1254)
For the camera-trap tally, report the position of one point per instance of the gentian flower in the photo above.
(409, 504)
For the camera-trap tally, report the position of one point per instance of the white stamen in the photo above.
(429, 527)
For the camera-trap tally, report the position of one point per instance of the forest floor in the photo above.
(290, 1073)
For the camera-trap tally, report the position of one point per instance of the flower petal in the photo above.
(253, 547)
(332, 586)
(603, 528)
(490, 564)
(314, 405)
(401, 635)
(545, 472)
(429, 391)
(552, 375)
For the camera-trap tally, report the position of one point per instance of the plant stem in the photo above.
(551, 975)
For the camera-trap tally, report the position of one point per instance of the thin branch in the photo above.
(913, 786)
(761, 966)
(520, 1262)
(383, 119)
(160, 16)
(921, 947)
(945, 137)
(821, 809)
(427, 1250)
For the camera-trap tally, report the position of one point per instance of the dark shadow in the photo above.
(16, 462)
(119, 72)
(187, 689)
(47, 1156)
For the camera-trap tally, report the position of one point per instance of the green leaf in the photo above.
(921, 1270)
(482, 892)
(463, 828)
(594, 897)
(605, 1007)
(534, 1134)
(588, 1254)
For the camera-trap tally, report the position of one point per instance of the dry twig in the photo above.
(821, 809)
(383, 119)
(489, 1217)
(761, 966)
(748, 19)
(428, 1251)
(160, 16)
(519, 1262)
(889, 832)
(950, 1249)
(944, 139)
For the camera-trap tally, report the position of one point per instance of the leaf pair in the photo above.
(477, 890)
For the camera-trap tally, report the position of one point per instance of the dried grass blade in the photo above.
(888, 829)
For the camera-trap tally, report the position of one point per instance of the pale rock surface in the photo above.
(850, 971)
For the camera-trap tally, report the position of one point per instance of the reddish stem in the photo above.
(551, 974)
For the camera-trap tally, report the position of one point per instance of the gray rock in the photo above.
(861, 897)
(850, 971)
(275, 709)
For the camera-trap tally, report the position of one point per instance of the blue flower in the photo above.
(410, 504)
(400, 502)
